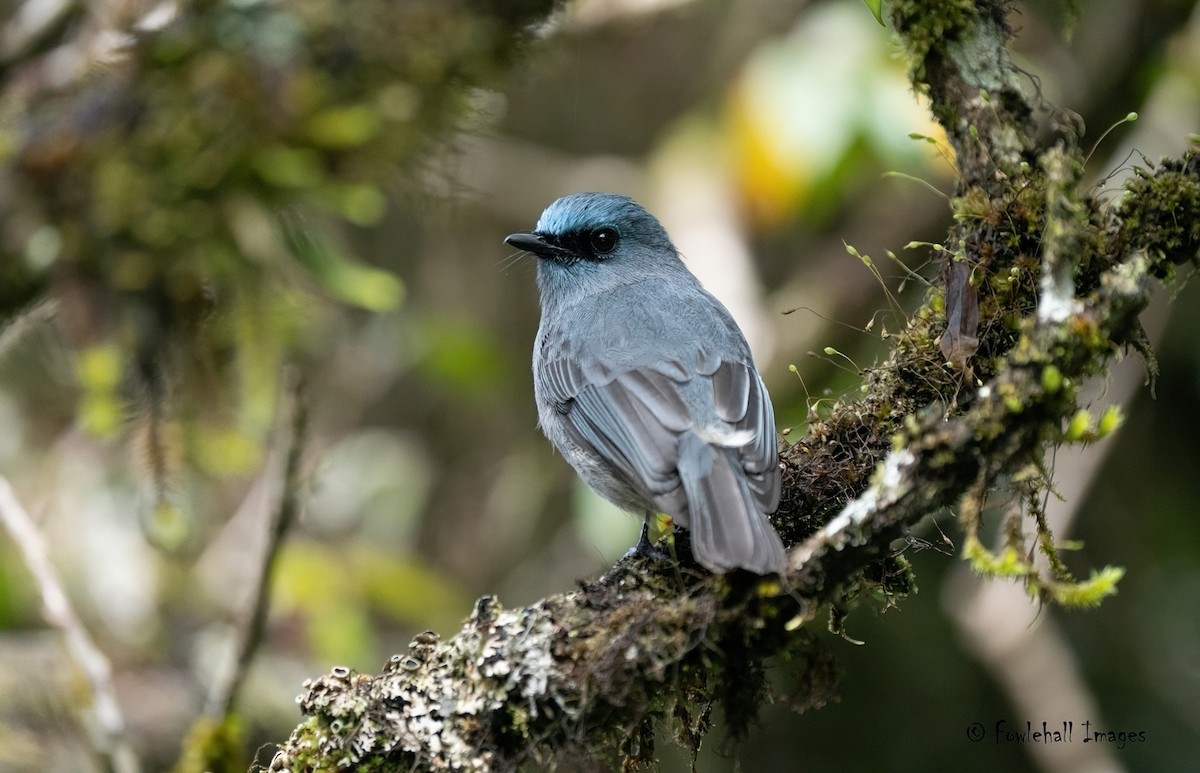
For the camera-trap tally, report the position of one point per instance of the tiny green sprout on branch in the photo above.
(876, 7)
(809, 401)
(918, 180)
(1129, 118)
(865, 259)
(832, 352)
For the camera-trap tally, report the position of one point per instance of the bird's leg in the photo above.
(645, 548)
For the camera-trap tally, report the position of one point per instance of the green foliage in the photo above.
(213, 747)
(341, 592)
(1161, 213)
(186, 204)
(925, 25)
(1068, 593)
(876, 7)
(462, 357)
(1089, 592)
(1020, 386)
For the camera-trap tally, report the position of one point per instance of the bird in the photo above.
(646, 386)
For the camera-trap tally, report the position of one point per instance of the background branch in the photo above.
(109, 736)
(216, 739)
(253, 624)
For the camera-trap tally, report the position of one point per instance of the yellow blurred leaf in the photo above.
(99, 367)
(343, 127)
(464, 357)
(168, 525)
(410, 591)
(362, 204)
(342, 634)
(100, 415)
(309, 577)
(337, 590)
(224, 450)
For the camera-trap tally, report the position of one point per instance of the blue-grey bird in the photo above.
(645, 384)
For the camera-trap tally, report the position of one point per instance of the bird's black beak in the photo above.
(533, 243)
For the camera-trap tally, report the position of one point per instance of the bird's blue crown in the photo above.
(581, 212)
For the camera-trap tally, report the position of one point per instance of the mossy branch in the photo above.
(1056, 281)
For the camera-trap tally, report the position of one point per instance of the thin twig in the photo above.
(249, 635)
(110, 741)
(33, 27)
(16, 327)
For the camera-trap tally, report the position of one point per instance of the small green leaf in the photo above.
(876, 7)
(167, 525)
(362, 205)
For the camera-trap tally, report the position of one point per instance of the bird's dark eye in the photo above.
(604, 240)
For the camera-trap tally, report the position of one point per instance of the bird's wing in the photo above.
(634, 418)
(741, 399)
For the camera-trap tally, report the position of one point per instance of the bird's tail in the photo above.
(727, 529)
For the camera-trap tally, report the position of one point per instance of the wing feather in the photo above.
(634, 419)
(627, 432)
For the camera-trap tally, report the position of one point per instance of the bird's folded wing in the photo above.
(634, 419)
(742, 400)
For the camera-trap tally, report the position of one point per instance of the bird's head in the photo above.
(595, 234)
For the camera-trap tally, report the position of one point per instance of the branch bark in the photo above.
(110, 739)
(1058, 280)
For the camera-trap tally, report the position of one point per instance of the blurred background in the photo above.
(766, 135)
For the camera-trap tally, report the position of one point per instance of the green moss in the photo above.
(1007, 563)
(1160, 213)
(1089, 592)
(1052, 379)
(925, 26)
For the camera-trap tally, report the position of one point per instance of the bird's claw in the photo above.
(646, 549)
